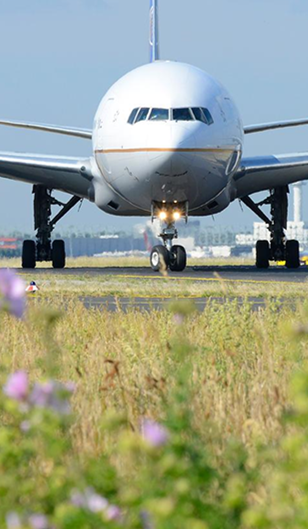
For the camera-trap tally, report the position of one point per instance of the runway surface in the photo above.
(234, 274)
(246, 274)
(114, 304)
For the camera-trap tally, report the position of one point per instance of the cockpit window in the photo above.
(197, 112)
(176, 114)
(203, 114)
(208, 116)
(132, 116)
(182, 114)
(142, 114)
(159, 114)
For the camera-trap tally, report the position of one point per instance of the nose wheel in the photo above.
(159, 258)
(166, 255)
(174, 259)
(178, 259)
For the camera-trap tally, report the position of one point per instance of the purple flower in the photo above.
(155, 434)
(13, 521)
(178, 319)
(113, 513)
(38, 521)
(145, 520)
(78, 499)
(53, 395)
(89, 500)
(17, 386)
(94, 502)
(13, 290)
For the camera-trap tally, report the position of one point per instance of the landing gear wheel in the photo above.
(159, 258)
(263, 254)
(292, 254)
(178, 259)
(58, 254)
(28, 254)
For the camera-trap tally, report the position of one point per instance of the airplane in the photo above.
(167, 143)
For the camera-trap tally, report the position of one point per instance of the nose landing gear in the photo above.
(168, 256)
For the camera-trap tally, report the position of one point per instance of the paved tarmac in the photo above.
(245, 274)
(114, 304)
(238, 274)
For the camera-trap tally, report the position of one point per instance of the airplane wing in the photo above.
(71, 175)
(261, 173)
(67, 131)
(251, 129)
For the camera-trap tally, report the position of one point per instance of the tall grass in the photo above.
(242, 363)
(229, 385)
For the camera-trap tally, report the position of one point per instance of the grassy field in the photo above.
(230, 384)
(242, 362)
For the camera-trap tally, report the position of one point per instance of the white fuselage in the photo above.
(166, 161)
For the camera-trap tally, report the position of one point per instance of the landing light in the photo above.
(163, 215)
(176, 215)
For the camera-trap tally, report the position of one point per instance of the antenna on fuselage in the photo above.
(154, 44)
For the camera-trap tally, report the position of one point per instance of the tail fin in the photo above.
(154, 46)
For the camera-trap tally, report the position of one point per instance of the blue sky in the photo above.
(59, 57)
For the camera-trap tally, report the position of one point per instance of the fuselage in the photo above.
(167, 133)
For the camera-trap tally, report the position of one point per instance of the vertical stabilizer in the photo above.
(154, 46)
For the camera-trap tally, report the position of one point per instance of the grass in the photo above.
(242, 363)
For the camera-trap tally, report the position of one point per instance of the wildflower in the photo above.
(94, 502)
(38, 521)
(89, 500)
(145, 520)
(155, 434)
(34, 521)
(17, 386)
(13, 521)
(13, 292)
(78, 499)
(25, 426)
(53, 395)
(178, 319)
(113, 513)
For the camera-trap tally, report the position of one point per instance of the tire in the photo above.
(58, 254)
(178, 259)
(28, 259)
(292, 254)
(263, 254)
(159, 258)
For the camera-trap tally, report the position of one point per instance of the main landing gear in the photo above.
(167, 255)
(43, 249)
(278, 249)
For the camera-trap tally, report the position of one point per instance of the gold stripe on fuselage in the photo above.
(146, 149)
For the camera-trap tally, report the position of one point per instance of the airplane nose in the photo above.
(183, 142)
(175, 154)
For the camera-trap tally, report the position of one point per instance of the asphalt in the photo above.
(115, 304)
(244, 274)
(240, 274)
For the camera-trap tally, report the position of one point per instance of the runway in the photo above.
(114, 304)
(243, 274)
(218, 274)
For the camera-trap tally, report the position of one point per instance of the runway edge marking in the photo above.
(207, 279)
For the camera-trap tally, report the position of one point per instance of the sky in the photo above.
(59, 57)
